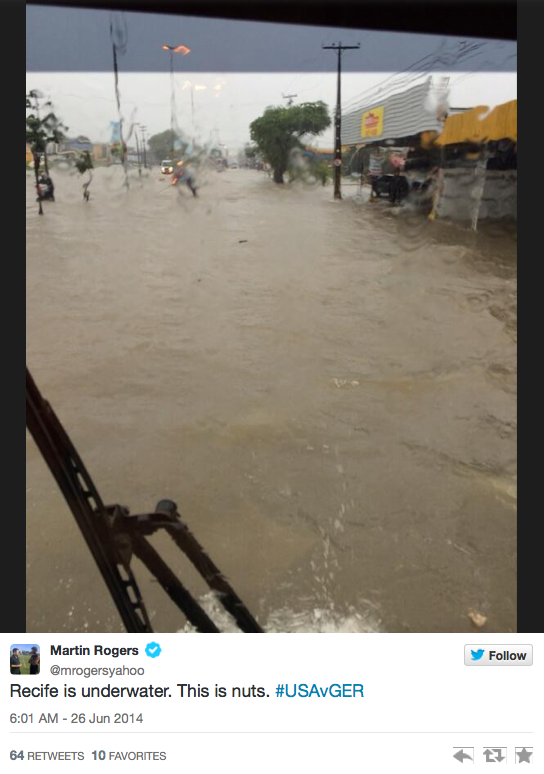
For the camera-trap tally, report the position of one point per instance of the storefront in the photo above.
(396, 133)
(478, 176)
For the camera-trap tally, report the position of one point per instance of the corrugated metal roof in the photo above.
(405, 114)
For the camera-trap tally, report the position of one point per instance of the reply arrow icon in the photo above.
(461, 756)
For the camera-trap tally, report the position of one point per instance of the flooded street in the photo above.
(326, 389)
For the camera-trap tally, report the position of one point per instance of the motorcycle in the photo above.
(184, 176)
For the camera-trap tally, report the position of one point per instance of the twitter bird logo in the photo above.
(477, 654)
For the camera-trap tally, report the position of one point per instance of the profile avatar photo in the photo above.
(24, 660)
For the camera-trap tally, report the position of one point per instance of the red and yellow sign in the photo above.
(372, 122)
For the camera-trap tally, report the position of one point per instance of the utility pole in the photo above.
(143, 130)
(138, 153)
(338, 120)
(289, 98)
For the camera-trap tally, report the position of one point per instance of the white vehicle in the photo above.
(167, 167)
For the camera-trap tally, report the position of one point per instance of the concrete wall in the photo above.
(500, 196)
(462, 187)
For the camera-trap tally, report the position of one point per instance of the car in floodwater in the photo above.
(167, 167)
(384, 185)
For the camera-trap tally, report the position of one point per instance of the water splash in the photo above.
(285, 620)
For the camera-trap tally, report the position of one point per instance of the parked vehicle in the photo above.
(384, 185)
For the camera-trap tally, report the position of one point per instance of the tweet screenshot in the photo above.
(347, 702)
(271, 389)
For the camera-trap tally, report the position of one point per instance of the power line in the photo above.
(430, 60)
(373, 89)
(304, 61)
(380, 94)
(377, 93)
(109, 99)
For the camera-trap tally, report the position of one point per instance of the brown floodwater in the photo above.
(327, 389)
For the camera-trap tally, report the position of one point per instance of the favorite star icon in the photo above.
(524, 754)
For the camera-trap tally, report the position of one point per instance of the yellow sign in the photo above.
(372, 122)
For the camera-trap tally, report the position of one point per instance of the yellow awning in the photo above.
(480, 125)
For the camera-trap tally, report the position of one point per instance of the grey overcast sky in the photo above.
(236, 69)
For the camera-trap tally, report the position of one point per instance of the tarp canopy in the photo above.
(480, 125)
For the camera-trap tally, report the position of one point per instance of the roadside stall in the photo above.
(392, 140)
(478, 176)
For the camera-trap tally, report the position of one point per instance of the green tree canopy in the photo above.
(251, 151)
(84, 162)
(165, 144)
(40, 131)
(280, 129)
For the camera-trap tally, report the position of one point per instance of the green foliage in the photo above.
(321, 171)
(84, 162)
(308, 170)
(40, 131)
(280, 129)
(166, 144)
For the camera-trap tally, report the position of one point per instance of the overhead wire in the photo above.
(431, 60)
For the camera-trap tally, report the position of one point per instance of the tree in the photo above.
(40, 131)
(321, 171)
(280, 129)
(164, 144)
(251, 151)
